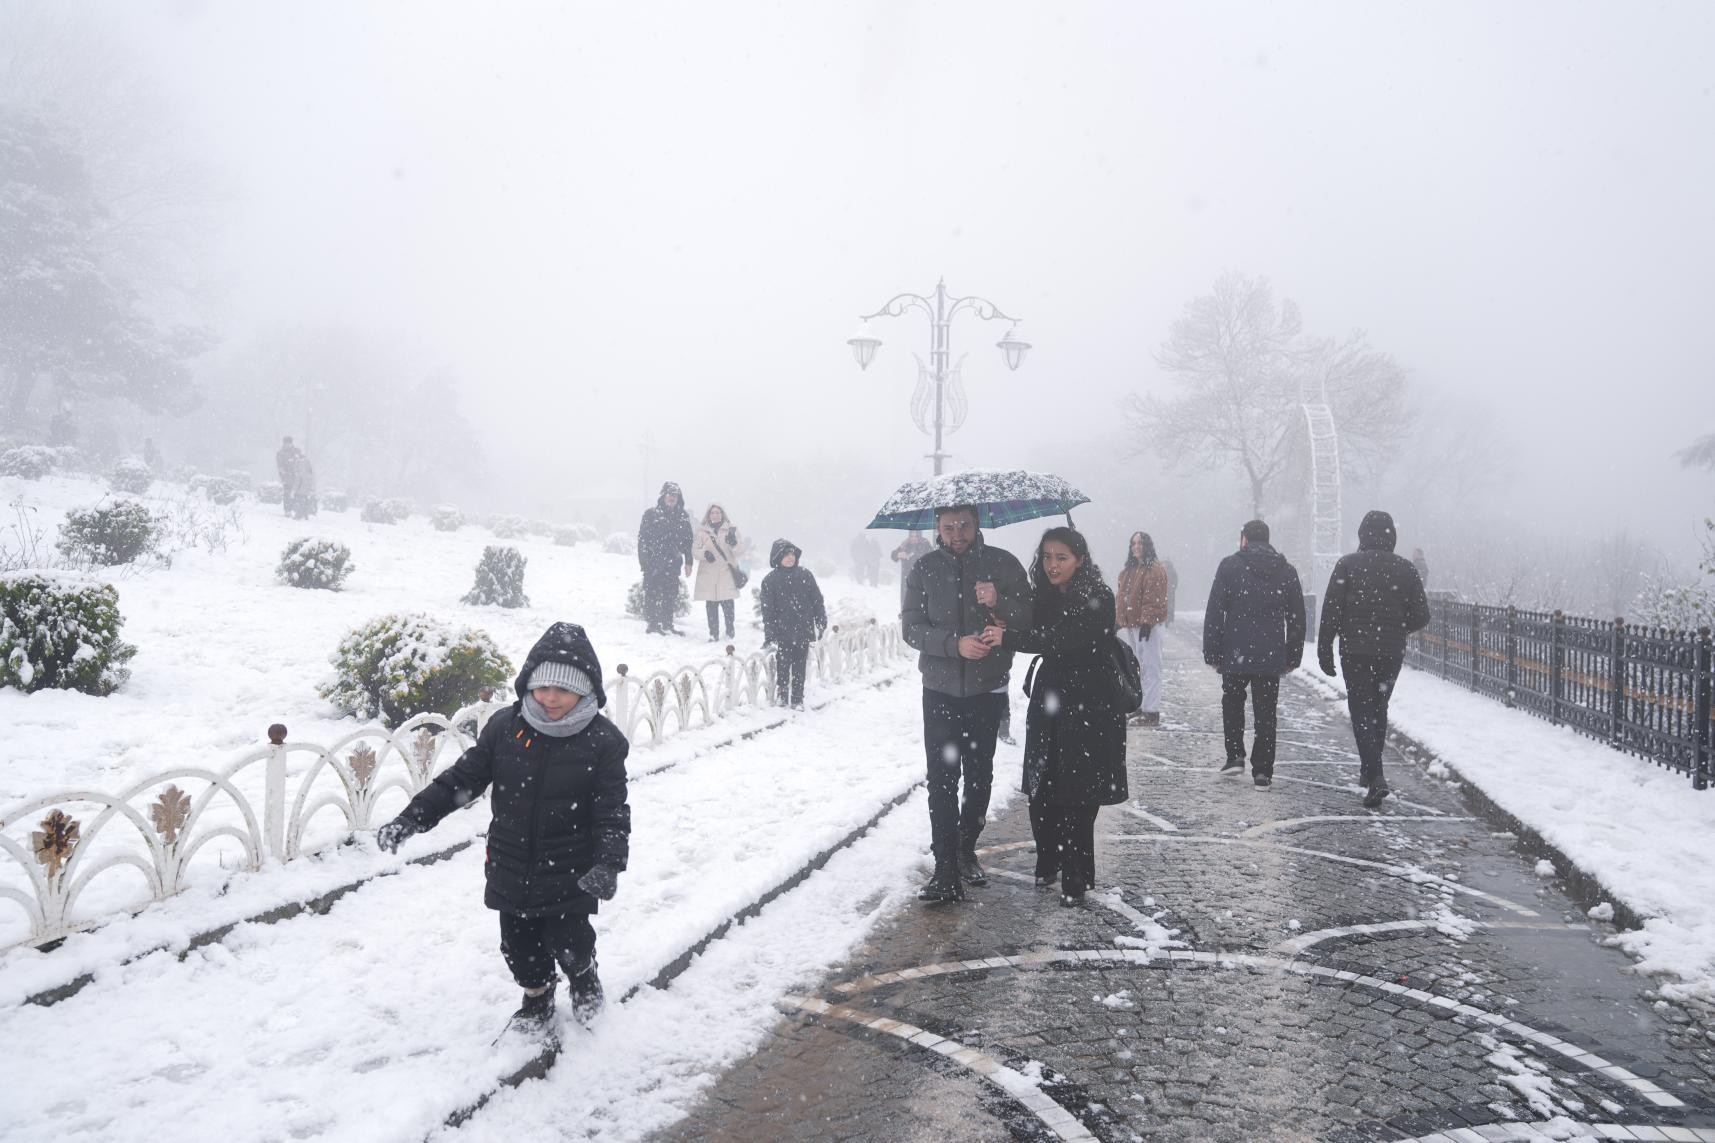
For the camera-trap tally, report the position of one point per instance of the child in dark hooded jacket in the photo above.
(793, 617)
(561, 830)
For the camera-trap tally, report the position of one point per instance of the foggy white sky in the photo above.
(607, 217)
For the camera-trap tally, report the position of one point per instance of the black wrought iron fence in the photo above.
(1644, 690)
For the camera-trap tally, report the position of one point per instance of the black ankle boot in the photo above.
(536, 1015)
(944, 886)
(970, 869)
(584, 993)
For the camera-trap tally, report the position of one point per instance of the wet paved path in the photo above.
(1261, 965)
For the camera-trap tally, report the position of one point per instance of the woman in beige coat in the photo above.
(716, 549)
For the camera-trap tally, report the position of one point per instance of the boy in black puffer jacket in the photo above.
(793, 617)
(562, 827)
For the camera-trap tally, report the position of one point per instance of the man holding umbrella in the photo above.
(951, 595)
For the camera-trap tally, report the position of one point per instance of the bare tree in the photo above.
(1700, 453)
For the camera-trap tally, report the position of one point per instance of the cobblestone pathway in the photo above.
(1262, 965)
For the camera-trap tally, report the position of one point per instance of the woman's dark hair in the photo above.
(1088, 574)
(1132, 561)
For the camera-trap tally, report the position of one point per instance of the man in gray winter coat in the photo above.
(1375, 599)
(663, 555)
(952, 594)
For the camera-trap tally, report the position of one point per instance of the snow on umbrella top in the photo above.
(1001, 497)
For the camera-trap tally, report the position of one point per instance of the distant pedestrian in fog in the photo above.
(1074, 733)
(793, 617)
(1374, 600)
(717, 569)
(1253, 633)
(911, 549)
(1140, 610)
(1422, 566)
(663, 554)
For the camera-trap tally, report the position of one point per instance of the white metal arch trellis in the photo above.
(1326, 512)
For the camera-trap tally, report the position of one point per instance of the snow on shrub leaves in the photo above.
(61, 632)
(499, 579)
(446, 518)
(131, 475)
(404, 664)
(116, 534)
(32, 462)
(681, 605)
(312, 563)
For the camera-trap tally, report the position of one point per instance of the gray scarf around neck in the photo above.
(576, 719)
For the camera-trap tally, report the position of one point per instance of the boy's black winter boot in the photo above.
(944, 886)
(583, 991)
(536, 1016)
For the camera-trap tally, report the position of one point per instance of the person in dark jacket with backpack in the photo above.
(793, 617)
(663, 555)
(1375, 599)
(561, 830)
(1074, 738)
(953, 594)
(1253, 633)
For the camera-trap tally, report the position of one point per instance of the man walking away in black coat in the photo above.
(664, 554)
(562, 826)
(1374, 600)
(953, 594)
(793, 617)
(1253, 633)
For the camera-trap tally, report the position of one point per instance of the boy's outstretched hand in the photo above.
(601, 881)
(392, 835)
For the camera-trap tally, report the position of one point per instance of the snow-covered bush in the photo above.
(499, 579)
(540, 528)
(218, 489)
(634, 600)
(509, 527)
(314, 563)
(117, 534)
(61, 632)
(446, 518)
(620, 544)
(271, 492)
(379, 512)
(586, 534)
(399, 508)
(130, 475)
(32, 462)
(566, 536)
(242, 479)
(400, 665)
(335, 501)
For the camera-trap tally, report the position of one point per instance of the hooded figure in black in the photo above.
(561, 830)
(793, 617)
(1375, 599)
(663, 555)
(1253, 633)
(1074, 741)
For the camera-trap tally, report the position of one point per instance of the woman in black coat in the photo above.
(562, 826)
(1074, 744)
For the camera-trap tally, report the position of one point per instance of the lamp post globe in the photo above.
(864, 345)
(1013, 348)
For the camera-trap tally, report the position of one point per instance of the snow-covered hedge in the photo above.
(399, 507)
(400, 665)
(312, 563)
(271, 492)
(620, 543)
(446, 518)
(218, 489)
(499, 579)
(116, 534)
(379, 512)
(509, 527)
(130, 475)
(241, 479)
(567, 536)
(32, 462)
(335, 501)
(634, 600)
(61, 632)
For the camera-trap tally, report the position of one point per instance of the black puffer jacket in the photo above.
(940, 607)
(1254, 624)
(559, 803)
(1074, 732)
(793, 613)
(1375, 598)
(664, 536)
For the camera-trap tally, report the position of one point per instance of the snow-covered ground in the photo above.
(1639, 829)
(224, 650)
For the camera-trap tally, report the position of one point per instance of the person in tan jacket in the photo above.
(1140, 609)
(718, 585)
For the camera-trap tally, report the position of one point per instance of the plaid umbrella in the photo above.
(1001, 497)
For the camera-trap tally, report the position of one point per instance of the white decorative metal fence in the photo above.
(287, 800)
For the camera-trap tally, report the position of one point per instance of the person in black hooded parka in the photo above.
(561, 830)
(663, 555)
(1375, 599)
(1253, 633)
(1074, 731)
(793, 617)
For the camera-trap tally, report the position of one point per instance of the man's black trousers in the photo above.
(1369, 686)
(958, 743)
(1265, 699)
